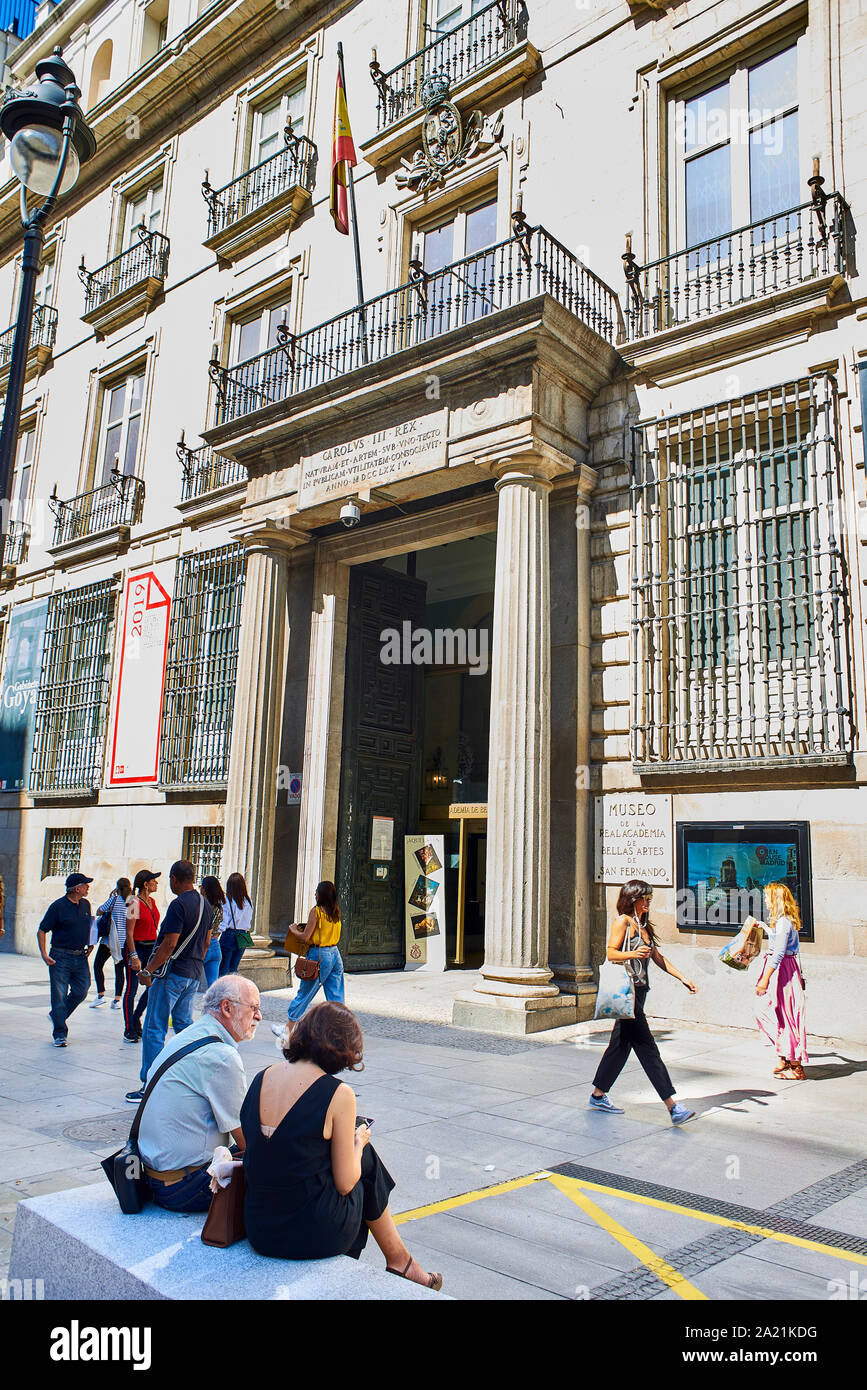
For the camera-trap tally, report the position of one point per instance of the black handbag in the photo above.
(103, 921)
(124, 1169)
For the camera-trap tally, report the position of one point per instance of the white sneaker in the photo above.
(100, 999)
(115, 1003)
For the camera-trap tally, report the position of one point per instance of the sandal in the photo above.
(795, 1072)
(781, 1069)
(434, 1281)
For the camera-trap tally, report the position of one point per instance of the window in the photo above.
(142, 208)
(45, 284)
(120, 427)
(738, 587)
(22, 476)
(154, 29)
(100, 74)
(202, 667)
(256, 334)
(269, 122)
(472, 289)
(448, 14)
(738, 151)
(203, 847)
(62, 854)
(72, 699)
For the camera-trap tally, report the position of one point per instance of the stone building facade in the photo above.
(602, 402)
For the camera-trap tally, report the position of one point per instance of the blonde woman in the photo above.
(782, 1015)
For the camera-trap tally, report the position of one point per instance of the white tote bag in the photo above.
(615, 997)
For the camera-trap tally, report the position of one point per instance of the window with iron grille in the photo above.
(72, 700)
(62, 852)
(202, 667)
(739, 647)
(203, 845)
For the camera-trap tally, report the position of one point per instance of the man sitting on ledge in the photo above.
(197, 1104)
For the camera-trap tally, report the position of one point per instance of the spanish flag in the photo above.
(342, 159)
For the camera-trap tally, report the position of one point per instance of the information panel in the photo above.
(425, 899)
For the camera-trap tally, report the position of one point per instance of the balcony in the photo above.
(485, 54)
(211, 484)
(98, 521)
(466, 295)
(42, 335)
(17, 545)
(261, 203)
(126, 287)
(787, 269)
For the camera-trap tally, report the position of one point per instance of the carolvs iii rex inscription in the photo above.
(372, 460)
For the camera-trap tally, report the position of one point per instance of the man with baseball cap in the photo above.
(67, 921)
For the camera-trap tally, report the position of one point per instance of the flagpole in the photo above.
(353, 219)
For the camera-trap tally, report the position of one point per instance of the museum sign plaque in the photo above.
(374, 460)
(634, 839)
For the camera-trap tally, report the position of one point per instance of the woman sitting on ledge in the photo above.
(315, 1185)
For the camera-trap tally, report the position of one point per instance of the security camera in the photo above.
(350, 514)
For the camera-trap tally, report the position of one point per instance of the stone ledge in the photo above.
(82, 1246)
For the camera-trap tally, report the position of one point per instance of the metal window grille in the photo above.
(739, 617)
(203, 846)
(202, 666)
(148, 259)
(72, 700)
(43, 332)
(294, 166)
(62, 852)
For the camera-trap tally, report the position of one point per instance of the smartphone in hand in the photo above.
(364, 1120)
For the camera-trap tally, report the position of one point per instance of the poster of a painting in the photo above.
(425, 902)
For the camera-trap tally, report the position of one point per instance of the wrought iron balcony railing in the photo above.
(205, 472)
(531, 263)
(42, 333)
(148, 260)
(17, 543)
(292, 167)
(117, 503)
(745, 265)
(456, 55)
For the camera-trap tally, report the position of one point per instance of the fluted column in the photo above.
(516, 993)
(251, 797)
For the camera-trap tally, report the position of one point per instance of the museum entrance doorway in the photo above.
(414, 755)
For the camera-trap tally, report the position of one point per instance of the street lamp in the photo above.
(49, 141)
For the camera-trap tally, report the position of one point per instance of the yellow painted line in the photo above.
(450, 1203)
(663, 1271)
(722, 1221)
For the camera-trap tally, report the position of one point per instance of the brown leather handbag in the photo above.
(306, 969)
(224, 1223)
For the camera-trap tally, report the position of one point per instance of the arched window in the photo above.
(100, 74)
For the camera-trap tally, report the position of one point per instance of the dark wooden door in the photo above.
(380, 765)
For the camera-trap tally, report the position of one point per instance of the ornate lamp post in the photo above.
(49, 141)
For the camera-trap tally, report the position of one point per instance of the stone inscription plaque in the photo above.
(374, 460)
(634, 838)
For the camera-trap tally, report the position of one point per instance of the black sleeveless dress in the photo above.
(293, 1210)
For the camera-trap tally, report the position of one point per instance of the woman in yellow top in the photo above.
(322, 934)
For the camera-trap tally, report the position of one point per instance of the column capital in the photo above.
(272, 533)
(541, 462)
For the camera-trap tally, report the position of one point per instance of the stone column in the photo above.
(317, 836)
(251, 797)
(516, 993)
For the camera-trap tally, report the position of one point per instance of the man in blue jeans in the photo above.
(181, 946)
(67, 922)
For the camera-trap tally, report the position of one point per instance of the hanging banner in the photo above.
(424, 856)
(140, 681)
(18, 688)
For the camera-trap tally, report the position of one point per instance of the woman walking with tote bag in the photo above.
(781, 1016)
(632, 941)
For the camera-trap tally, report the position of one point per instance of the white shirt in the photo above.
(197, 1103)
(238, 918)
